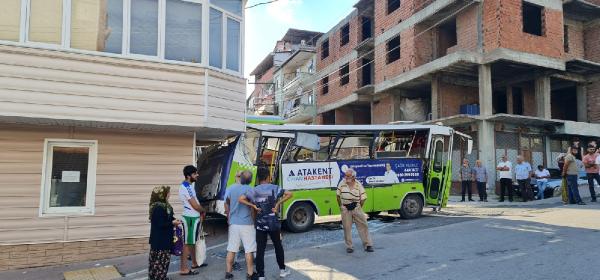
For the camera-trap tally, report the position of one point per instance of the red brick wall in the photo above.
(335, 50)
(503, 27)
(382, 110)
(452, 96)
(529, 104)
(466, 29)
(344, 115)
(593, 99)
(337, 91)
(383, 21)
(576, 43)
(592, 43)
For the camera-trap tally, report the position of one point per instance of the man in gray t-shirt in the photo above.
(241, 228)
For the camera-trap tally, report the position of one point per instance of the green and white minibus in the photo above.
(403, 167)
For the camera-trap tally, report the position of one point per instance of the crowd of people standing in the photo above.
(527, 178)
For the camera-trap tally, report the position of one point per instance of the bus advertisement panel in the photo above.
(320, 175)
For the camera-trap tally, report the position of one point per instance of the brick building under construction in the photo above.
(521, 77)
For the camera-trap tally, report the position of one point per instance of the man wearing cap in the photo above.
(351, 197)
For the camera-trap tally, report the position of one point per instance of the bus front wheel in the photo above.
(300, 217)
(411, 207)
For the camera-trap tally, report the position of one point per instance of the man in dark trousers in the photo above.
(266, 199)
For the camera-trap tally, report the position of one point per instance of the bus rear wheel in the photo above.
(412, 207)
(300, 217)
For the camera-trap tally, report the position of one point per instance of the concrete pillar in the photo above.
(435, 87)
(542, 97)
(582, 109)
(485, 90)
(486, 150)
(485, 130)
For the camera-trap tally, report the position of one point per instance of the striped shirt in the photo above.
(349, 194)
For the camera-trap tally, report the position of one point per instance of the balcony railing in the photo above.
(300, 113)
(294, 79)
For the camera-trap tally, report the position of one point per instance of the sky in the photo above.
(268, 23)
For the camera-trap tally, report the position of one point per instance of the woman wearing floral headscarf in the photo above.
(161, 233)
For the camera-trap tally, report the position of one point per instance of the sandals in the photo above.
(189, 273)
(202, 265)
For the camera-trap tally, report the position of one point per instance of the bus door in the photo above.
(273, 146)
(438, 171)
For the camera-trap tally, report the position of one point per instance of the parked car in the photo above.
(553, 188)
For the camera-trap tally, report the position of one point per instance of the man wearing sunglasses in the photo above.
(351, 196)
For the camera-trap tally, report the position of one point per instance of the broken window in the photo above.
(532, 19)
(345, 35)
(325, 49)
(392, 5)
(325, 85)
(344, 74)
(393, 49)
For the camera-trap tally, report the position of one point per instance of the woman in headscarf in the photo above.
(161, 233)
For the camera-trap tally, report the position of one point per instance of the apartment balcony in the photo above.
(301, 114)
(294, 81)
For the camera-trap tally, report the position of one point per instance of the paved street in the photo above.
(536, 240)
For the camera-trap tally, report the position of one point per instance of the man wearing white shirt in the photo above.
(505, 174)
(390, 176)
(541, 174)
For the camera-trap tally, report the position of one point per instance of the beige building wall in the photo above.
(46, 84)
(129, 165)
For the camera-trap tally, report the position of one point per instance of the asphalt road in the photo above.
(539, 240)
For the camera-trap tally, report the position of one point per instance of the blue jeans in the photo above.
(541, 187)
(573, 189)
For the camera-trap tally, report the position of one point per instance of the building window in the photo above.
(45, 21)
(233, 45)
(393, 49)
(10, 20)
(153, 29)
(232, 6)
(345, 74)
(392, 5)
(183, 31)
(566, 39)
(69, 177)
(216, 38)
(345, 34)
(532, 19)
(97, 26)
(325, 49)
(325, 85)
(144, 27)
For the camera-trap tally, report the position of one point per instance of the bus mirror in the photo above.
(308, 141)
(469, 146)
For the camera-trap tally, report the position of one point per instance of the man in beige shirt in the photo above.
(351, 196)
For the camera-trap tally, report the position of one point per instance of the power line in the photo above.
(262, 3)
(317, 88)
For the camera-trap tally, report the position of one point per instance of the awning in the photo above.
(580, 129)
(456, 120)
(525, 120)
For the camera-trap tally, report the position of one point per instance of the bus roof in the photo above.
(434, 129)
